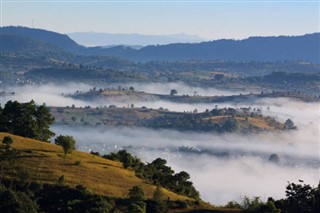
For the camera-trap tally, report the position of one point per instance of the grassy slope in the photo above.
(132, 116)
(127, 96)
(46, 163)
(258, 122)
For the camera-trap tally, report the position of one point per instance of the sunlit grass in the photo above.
(46, 163)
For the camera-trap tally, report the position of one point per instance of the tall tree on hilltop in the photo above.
(44, 120)
(27, 120)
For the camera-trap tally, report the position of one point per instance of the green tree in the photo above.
(134, 208)
(27, 120)
(316, 200)
(19, 202)
(274, 158)
(136, 199)
(73, 118)
(7, 140)
(251, 204)
(289, 124)
(160, 201)
(173, 92)
(231, 125)
(300, 198)
(9, 201)
(17, 118)
(67, 142)
(44, 120)
(7, 155)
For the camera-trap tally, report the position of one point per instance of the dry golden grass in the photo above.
(46, 163)
(258, 122)
(114, 92)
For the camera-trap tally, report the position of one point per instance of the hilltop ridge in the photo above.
(276, 48)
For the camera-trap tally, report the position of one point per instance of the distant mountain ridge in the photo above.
(306, 47)
(113, 39)
(281, 48)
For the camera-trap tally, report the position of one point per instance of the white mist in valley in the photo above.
(229, 166)
(225, 167)
(58, 95)
(180, 87)
(222, 167)
(50, 94)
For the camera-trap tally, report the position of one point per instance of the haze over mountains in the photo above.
(304, 48)
(216, 110)
(114, 39)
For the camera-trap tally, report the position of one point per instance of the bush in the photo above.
(7, 140)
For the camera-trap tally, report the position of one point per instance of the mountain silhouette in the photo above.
(275, 48)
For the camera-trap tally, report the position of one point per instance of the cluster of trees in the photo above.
(158, 173)
(7, 156)
(300, 198)
(137, 202)
(37, 197)
(227, 122)
(27, 120)
(285, 78)
(136, 199)
(26, 196)
(193, 122)
(84, 73)
(32, 121)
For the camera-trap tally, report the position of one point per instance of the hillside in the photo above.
(217, 120)
(46, 163)
(281, 48)
(46, 37)
(131, 96)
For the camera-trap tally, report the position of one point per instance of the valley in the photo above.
(216, 126)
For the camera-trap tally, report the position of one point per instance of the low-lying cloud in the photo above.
(245, 171)
(182, 89)
(57, 95)
(220, 177)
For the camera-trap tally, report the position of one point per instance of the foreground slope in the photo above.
(46, 163)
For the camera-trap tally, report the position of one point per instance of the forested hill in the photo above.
(305, 48)
(42, 36)
(280, 48)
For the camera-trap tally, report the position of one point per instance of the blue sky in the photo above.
(208, 19)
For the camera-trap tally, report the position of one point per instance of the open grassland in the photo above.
(141, 117)
(46, 162)
(265, 123)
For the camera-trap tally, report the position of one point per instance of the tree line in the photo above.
(158, 173)
(27, 120)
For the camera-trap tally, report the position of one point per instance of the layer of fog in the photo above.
(57, 95)
(51, 95)
(182, 89)
(245, 171)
